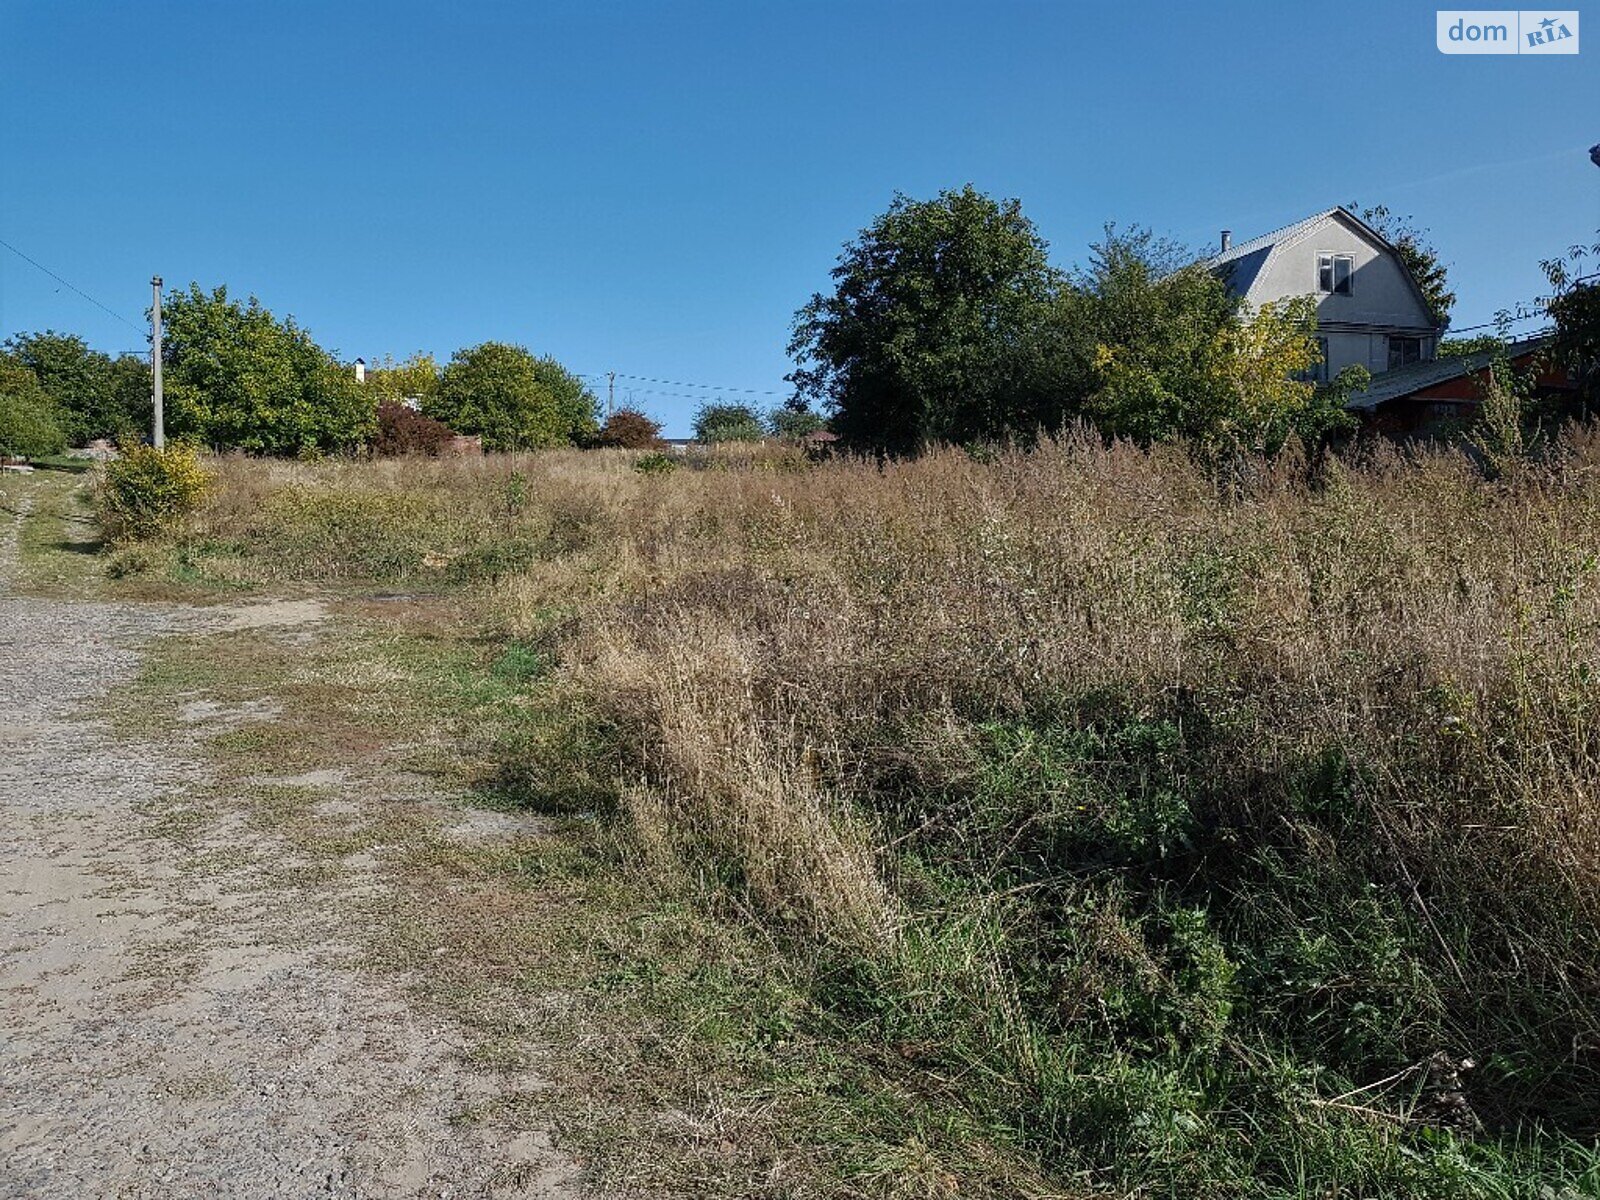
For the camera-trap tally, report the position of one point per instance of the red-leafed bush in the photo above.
(403, 430)
(630, 429)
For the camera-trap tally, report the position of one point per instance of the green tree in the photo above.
(578, 405)
(793, 421)
(414, 381)
(1499, 434)
(1175, 356)
(98, 396)
(1328, 415)
(727, 423)
(241, 379)
(1417, 253)
(941, 327)
(1577, 340)
(1154, 319)
(30, 422)
(513, 400)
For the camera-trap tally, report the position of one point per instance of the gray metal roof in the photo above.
(1241, 264)
(1268, 240)
(1402, 381)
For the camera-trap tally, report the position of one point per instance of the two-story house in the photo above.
(1369, 308)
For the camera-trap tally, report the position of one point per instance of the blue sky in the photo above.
(655, 188)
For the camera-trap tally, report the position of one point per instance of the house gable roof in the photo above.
(1243, 263)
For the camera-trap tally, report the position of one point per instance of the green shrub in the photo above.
(656, 464)
(147, 489)
(30, 423)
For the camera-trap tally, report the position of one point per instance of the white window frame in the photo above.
(1333, 258)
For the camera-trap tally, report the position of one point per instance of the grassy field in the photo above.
(1058, 823)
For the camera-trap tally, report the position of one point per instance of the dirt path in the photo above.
(169, 1035)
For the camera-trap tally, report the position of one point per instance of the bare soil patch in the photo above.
(182, 1013)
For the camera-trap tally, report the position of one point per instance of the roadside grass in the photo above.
(58, 542)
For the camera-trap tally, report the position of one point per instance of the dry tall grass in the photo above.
(1196, 833)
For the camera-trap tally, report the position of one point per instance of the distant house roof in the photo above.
(1405, 381)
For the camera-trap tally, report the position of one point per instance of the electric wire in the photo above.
(66, 283)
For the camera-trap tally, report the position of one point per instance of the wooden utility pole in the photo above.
(611, 393)
(160, 431)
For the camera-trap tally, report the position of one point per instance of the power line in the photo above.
(74, 287)
(709, 387)
(1537, 310)
(638, 391)
(1518, 320)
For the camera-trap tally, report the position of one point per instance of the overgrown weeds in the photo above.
(1156, 835)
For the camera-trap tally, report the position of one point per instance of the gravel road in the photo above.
(167, 1035)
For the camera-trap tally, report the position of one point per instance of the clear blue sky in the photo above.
(655, 188)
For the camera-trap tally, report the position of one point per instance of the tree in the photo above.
(1498, 434)
(941, 326)
(1263, 379)
(630, 429)
(1577, 341)
(241, 379)
(727, 423)
(1328, 415)
(1154, 319)
(98, 396)
(30, 422)
(1175, 356)
(949, 324)
(579, 407)
(794, 420)
(513, 400)
(1420, 258)
(414, 382)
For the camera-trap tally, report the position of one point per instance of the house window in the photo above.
(1334, 272)
(1317, 372)
(1403, 351)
